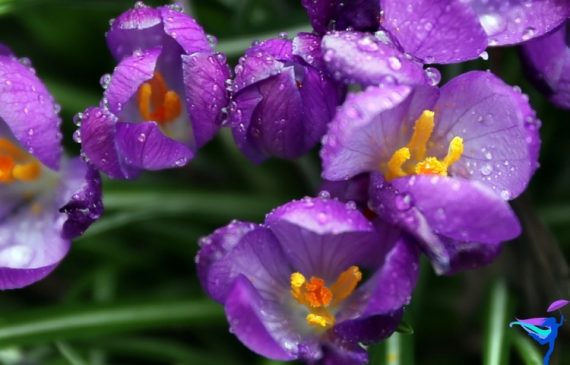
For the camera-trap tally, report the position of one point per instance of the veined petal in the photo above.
(509, 22)
(498, 128)
(205, 79)
(357, 14)
(29, 111)
(144, 146)
(435, 31)
(354, 57)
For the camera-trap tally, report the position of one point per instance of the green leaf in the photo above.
(97, 320)
(69, 353)
(526, 349)
(495, 350)
(405, 328)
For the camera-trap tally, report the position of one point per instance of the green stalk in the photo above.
(526, 349)
(64, 324)
(496, 343)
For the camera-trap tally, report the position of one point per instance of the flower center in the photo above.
(16, 164)
(319, 299)
(156, 102)
(412, 160)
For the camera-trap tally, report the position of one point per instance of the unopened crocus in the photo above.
(443, 162)
(315, 282)
(282, 98)
(548, 61)
(47, 199)
(411, 33)
(164, 100)
(361, 15)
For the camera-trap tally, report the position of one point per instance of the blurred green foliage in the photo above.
(128, 294)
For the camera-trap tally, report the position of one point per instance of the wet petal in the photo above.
(259, 323)
(308, 47)
(357, 14)
(508, 22)
(81, 193)
(548, 58)
(29, 110)
(354, 57)
(144, 146)
(367, 128)
(500, 141)
(435, 31)
(98, 133)
(184, 30)
(205, 79)
(369, 329)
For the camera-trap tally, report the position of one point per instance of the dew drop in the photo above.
(104, 81)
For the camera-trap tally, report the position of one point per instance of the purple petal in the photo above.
(145, 27)
(144, 146)
(30, 112)
(342, 353)
(354, 57)
(548, 58)
(314, 232)
(185, 30)
(31, 241)
(245, 310)
(308, 47)
(138, 28)
(257, 256)
(81, 192)
(461, 223)
(240, 117)
(254, 67)
(216, 246)
(508, 22)
(558, 304)
(279, 48)
(500, 145)
(6, 51)
(369, 329)
(435, 31)
(356, 14)
(128, 76)
(367, 128)
(98, 136)
(354, 189)
(205, 79)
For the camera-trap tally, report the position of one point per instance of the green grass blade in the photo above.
(69, 353)
(526, 349)
(496, 344)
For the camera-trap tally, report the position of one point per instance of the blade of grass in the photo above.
(86, 321)
(495, 350)
(526, 349)
(69, 353)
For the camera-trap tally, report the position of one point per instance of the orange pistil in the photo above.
(157, 103)
(16, 165)
(319, 299)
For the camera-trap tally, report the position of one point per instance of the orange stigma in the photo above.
(16, 165)
(412, 160)
(319, 299)
(156, 102)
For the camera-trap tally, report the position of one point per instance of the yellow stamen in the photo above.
(396, 163)
(16, 164)
(319, 299)
(157, 103)
(412, 159)
(422, 133)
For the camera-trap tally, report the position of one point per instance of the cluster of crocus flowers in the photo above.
(47, 199)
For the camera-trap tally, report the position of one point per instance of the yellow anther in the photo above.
(396, 163)
(156, 102)
(16, 164)
(412, 159)
(422, 133)
(454, 152)
(345, 284)
(319, 299)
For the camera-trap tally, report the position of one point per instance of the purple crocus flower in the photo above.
(293, 287)
(47, 200)
(411, 33)
(165, 98)
(282, 98)
(443, 162)
(548, 61)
